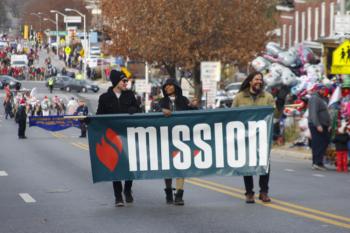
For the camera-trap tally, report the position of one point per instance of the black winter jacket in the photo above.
(21, 115)
(181, 102)
(108, 103)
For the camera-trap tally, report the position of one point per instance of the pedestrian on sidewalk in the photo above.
(172, 101)
(319, 125)
(118, 100)
(251, 93)
(341, 146)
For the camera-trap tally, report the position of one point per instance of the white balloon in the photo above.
(272, 48)
(260, 64)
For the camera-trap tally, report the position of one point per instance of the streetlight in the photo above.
(54, 22)
(56, 12)
(59, 13)
(37, 15)
(85, 39)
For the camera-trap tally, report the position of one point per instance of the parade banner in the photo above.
(53, 123)
(187, 144)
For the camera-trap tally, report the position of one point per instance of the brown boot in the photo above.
(249, 198)
(264, 197)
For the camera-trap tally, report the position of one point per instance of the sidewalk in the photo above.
(295, 152)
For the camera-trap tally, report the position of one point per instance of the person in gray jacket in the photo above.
(319, 123)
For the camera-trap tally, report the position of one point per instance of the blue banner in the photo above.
(53, 123)
(186, 144)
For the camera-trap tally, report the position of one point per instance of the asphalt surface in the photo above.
(46, 186)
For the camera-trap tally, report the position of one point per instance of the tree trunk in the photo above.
(197, 81)
(170, 69)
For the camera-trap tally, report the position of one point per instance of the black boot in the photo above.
(119, 200)
(128, 196)
(178, 197)
(169, 195)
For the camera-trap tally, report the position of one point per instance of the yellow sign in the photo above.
(341, 59)
(26, 32)
(67, 50)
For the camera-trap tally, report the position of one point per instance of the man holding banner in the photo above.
(173, 100)
(119, 100)
(251, 93)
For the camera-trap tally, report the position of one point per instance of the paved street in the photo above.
(47, 187)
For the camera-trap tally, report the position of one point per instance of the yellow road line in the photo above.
(295, 206)
(58, 135)
(83, 144)
(271, 205)
(79, 146)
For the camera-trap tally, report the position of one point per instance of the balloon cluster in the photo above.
(294, 67)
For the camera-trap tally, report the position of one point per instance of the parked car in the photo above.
(60, 81)
(81, 86)
(13, 83)
(232, 89)
(222, 100)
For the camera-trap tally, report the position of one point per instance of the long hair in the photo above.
(246, 82)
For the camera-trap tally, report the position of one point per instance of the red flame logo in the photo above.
(196, 152)
(106, 153)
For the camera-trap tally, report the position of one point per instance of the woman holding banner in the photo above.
(173, 100)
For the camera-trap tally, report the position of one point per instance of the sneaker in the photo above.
(264, 197)
(128, 197)
(119, 202)
(249, 198)
(318, 167)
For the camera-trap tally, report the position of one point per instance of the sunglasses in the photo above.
(125, 80)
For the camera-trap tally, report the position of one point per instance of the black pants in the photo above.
(319, 144)
(83, 129)
(21, 128)
(118, 187)
(263, 183)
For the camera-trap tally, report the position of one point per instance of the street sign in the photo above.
(141, 86)
(72, 19)
(342, 24)
(210, 75)
(341, 59)
(67, 50)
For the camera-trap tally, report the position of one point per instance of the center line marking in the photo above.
(3, 173)
(27, 198)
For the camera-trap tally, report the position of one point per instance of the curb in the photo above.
(298, 154)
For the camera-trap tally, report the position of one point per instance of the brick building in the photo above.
(306, 21)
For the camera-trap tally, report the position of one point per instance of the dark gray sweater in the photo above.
(318, 111)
